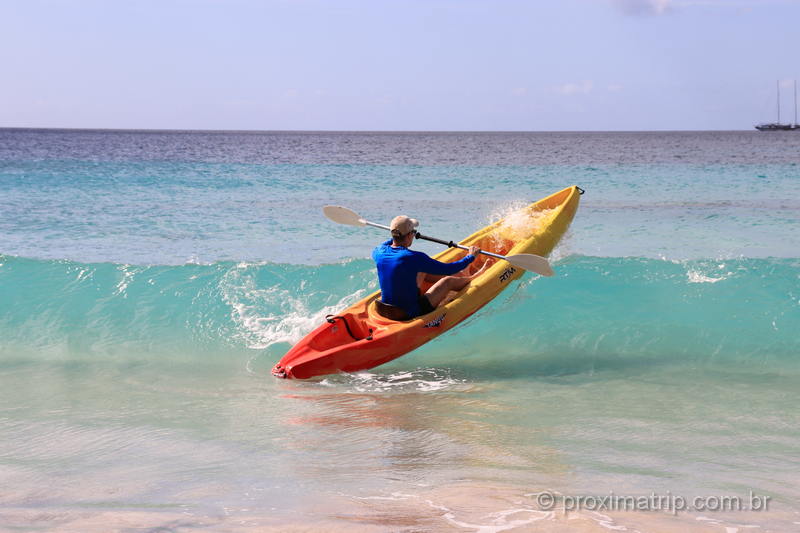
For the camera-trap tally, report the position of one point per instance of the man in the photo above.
(401, 272)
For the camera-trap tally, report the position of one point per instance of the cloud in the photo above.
(570, 88)
(519, 91)
(661, 7)
(644, 7)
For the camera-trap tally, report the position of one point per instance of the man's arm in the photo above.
(424, 263)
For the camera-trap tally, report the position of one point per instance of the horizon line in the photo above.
(254, 131)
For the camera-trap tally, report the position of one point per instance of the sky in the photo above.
(419, 65)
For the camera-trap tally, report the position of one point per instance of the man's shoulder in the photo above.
(383, 245)
(417, 255)
(383, 248)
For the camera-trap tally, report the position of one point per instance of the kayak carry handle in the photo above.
(331, 319)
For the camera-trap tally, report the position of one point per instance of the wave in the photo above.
(597, 313)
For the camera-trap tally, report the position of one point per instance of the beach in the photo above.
(149, 281)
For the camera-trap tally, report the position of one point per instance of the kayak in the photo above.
(359, 338)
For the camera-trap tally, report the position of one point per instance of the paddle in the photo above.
(534, 263)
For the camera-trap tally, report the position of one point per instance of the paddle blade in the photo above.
(534, 263)
(342, 215)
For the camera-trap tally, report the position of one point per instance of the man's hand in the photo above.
(474, 250)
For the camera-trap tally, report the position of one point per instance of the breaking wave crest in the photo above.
(598, 312)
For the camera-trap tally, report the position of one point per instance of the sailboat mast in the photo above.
(778, 86)
(795, 103)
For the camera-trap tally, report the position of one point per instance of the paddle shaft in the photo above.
(348, 217)
(451, 244)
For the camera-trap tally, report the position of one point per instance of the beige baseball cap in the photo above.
(402, 225)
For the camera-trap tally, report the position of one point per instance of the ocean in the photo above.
(149, 281)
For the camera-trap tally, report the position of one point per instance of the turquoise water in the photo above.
(598, 313)
(149, 281)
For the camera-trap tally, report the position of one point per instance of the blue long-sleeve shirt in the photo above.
(398, 269)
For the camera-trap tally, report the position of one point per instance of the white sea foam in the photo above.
(497, 521)
(695, 275)
(128, 274)
(419, 380)
(698, 277)
(293, 320)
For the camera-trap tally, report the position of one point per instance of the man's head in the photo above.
(403, 229)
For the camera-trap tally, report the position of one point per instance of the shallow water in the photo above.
(149, 281)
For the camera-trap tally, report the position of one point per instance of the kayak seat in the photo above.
(392, 312)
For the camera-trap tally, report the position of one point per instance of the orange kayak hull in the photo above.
(358, 338)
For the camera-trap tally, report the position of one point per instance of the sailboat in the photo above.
(777, 126)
